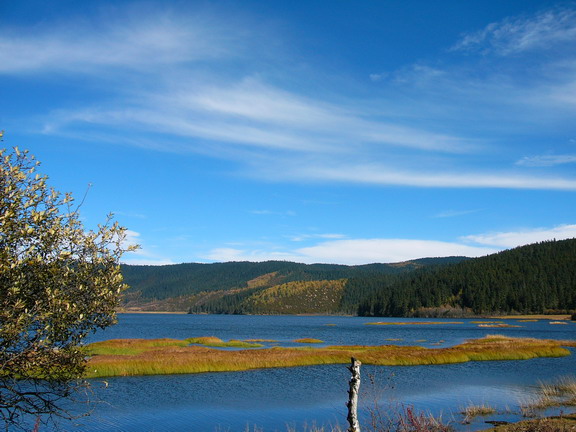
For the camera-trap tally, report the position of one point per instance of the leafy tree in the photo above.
(58, 283)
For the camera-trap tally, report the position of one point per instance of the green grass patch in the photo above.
(215, 342)
(309, 341)
(122, 347)
(565, 423)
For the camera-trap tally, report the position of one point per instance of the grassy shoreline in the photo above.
(565, 423)
(554, 317)
(129, 357)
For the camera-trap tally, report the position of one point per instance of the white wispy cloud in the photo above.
(546, 160)
(390, 250)
(145, 254)
(361, 251)
(523, 237)
(354, 251)
(525, 33)
(257, 255)
(255, 114)
(387, 175)
(196, 85)
(141, 43)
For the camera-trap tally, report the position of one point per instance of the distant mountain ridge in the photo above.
(221, 287)
(537, 278)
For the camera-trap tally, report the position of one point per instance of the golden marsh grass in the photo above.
(501, 325)
(309, 341)
(414, 323)
(561, 392)
(170, 356)
(215, 342)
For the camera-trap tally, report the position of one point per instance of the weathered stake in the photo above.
(352, 403)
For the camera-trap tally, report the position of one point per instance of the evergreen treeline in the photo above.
(226, 287)
(537, 278)
(160, 282)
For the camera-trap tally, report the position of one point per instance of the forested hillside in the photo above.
(538, 278)
(228, 287)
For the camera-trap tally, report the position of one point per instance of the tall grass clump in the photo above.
(471, 411)
(561, 392)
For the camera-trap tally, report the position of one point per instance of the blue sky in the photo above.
(311, 131)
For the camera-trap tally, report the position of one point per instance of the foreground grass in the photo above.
(551, 424)
(128, 357)
(560, 393)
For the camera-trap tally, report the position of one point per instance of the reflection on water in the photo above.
(274, 398)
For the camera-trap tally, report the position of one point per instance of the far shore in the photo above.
(124, 311)
(555, 317)
(558, 317)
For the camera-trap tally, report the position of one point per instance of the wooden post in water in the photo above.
(352, 403)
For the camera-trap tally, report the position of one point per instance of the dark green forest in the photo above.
(538, 278)
(226, 287)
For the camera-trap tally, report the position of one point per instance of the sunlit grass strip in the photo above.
(414, 323)
(502, 325)
(178, 359)
(131, 346)
(486, 322)
(309, 341)
(215, 342)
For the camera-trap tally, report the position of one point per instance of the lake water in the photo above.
(271, 400)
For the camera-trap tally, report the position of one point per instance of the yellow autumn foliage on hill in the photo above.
(299, 297)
